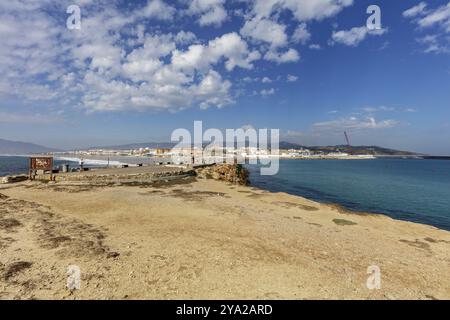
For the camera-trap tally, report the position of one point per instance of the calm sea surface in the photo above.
(407, 189)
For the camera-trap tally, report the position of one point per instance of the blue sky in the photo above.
(135, 72)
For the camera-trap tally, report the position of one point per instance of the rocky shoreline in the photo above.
(207, 237)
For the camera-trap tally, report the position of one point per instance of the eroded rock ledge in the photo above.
(233, 173)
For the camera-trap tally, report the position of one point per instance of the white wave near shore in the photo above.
(93, 162)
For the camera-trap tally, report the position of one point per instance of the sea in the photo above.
(10, 165)
(416, 190)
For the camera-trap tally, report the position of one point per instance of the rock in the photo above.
(113, 255)
(14, 179)
(234, 173)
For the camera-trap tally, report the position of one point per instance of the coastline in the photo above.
(347, 210)
(344, 210)
(205, 239)
(101, 162)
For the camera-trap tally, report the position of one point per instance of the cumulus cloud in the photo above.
(158, 9)
(354, 36)
(291, 55)
(125, 59)
(291, 78)
(230, 47)
(301, 34)
(114, 62)
(302, 10)
(265, 30)
(210, 12)
(263, 24)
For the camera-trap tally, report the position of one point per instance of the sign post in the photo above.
(40, 163)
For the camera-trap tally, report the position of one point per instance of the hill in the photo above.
(133, 146)
(353, 150)
(19, 147)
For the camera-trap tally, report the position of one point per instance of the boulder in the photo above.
(233, 173)
(13, 179)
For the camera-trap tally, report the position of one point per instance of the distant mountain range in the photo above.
(354, 150)
(133, 146)
(18, 147)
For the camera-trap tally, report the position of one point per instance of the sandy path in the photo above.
(208, 240)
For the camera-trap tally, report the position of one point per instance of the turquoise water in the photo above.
(406, 189)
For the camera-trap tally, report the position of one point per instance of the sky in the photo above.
(134, 71)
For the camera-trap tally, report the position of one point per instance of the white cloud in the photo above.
(415, 11)
(373, 110)
(354, 123)
(230, 46)
(158, 9)
(314, 46)
(263, 23)
(249, 79)
(302, 10)
(379, 109)
(114, 62)
(291, 55)
(265, 30)
(267, 92)
(291, 78)
(185, 38)
(211, 12)
(440, 15)
(437, 40)
(247, 127)
(433, 44)
(354, 36)
(123, 59)
(212, 91)
(266, 80)
(301, 34)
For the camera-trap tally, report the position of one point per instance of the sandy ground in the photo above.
(204, 239)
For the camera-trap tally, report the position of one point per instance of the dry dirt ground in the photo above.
(204, 239)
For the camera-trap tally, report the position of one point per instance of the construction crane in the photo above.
(346, 138)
